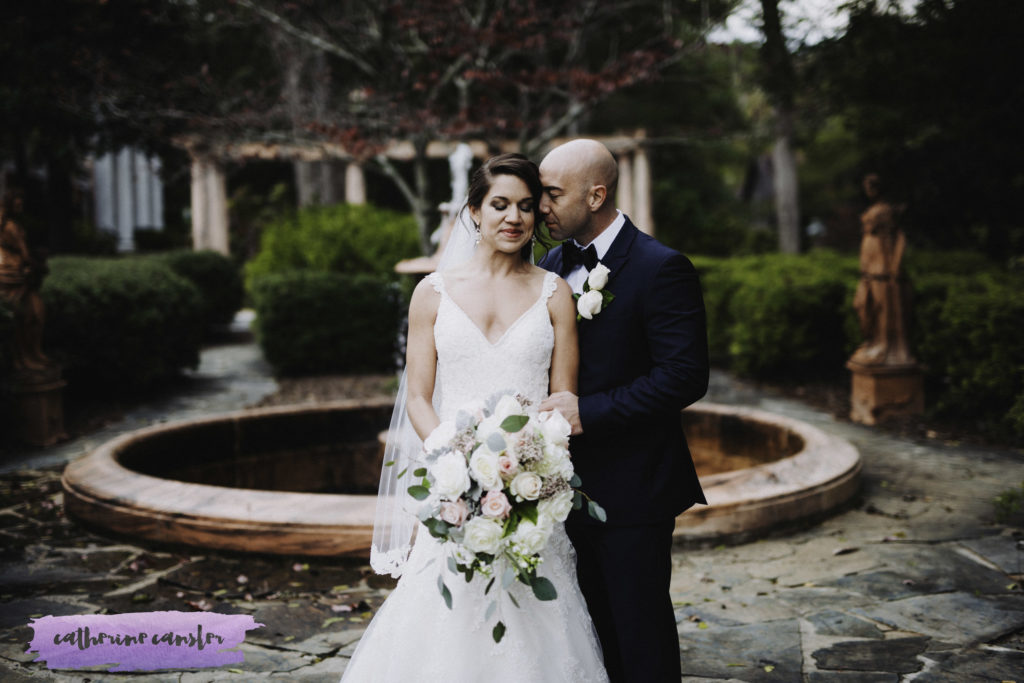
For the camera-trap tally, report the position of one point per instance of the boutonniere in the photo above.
(595, 298)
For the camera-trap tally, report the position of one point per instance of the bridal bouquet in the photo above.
(496, 480)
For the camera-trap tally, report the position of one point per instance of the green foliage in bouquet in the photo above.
(120, 323)
(343, 238)
(496, 481)
(315, 322)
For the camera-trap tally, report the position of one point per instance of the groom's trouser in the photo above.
(624, 573)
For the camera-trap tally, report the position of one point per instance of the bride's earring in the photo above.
(476, 226)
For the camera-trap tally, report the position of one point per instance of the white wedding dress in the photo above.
(414, 637)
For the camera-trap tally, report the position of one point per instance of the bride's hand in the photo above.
(568, 404)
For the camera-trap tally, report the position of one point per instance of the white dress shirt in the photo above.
(578, 275)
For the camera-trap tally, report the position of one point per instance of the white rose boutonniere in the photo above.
(595, 298)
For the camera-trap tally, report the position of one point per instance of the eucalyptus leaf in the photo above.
(402, 473)
(514, 601)
(575, 481)
(491, 609)
(496, 442)
(543, 588)
(577, 501)
(508, 577)
(489, 585)
(419, 472)
(445, 593)
(597, 512)
(452, 565)
(419, 492)
(513, 423)
(389, 463)
(438, 528)
(499, 632)
(463, 419)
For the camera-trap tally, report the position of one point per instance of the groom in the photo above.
(643, 358)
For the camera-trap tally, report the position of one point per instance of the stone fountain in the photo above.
(301, 480)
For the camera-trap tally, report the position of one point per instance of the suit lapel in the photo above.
(618, 252)
(553, 260)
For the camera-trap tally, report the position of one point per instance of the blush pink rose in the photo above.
(495, 505)
(508, 467)
(454, 512)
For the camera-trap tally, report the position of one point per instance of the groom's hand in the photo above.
(568, 404)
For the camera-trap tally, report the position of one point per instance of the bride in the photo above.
(487, 321)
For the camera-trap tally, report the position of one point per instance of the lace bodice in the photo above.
(471, 368)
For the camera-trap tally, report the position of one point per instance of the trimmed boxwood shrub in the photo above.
(120, 323)
(313, 322)
(217, 277)
(967, 332)
(777, 315)
(780, 317)
(344, 238)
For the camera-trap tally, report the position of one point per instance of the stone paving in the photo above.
(914, 581)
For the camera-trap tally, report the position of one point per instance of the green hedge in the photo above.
(120, 323)
(314, 322)
(967, 333)
(217, 278)
(777, 316)
(344, 238)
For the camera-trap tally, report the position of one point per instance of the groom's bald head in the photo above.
(579, 178)
(589, 161)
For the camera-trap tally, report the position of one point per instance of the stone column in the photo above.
(209, 206)
(125, 199)
(355, 184)
(142, 192)
(624, 196)
(103, 192)
(156, 185)
(644, 218)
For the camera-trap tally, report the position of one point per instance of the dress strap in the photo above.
(549, 286)
(437, 282)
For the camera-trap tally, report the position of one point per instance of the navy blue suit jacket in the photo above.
(642, 360)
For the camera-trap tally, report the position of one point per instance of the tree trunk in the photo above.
(421, 205)
(779, 80)
(787, 207)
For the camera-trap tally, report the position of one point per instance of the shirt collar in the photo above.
(603, 242)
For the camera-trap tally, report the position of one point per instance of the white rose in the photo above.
(598, 277)
(589, 304)
(451, 476)
(526, 486)
(483, 535)
(557, 507)
(556, 429)
(507, 405)
(484, 468)
(440, 437)
(531, 538)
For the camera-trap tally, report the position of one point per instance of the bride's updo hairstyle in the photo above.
(515, 165)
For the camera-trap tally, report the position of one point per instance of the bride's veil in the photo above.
(395, 522)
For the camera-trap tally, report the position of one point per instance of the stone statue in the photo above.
(882, 295)
(21, 276)
(460, 161)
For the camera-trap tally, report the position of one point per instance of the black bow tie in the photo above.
(574, 255)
